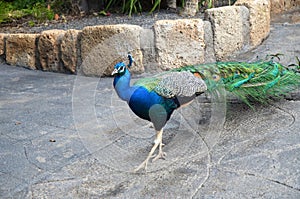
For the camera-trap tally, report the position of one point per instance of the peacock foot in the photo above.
(142, 166)
(150, 125)
(160, 155)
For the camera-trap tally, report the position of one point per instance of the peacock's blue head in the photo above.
(119, 69)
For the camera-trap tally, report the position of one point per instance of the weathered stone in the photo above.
(231, 29)
(21, 50)
(292, 17)
(179, 42)
(209, 43)
(69, 49)
(172, 4)
(103, 46)
(259, 19)
(278, 6)
(148, 49)
(190, 8)
(2, 43)
(295, 18)
(49, 50)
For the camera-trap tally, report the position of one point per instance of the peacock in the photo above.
(155, 98)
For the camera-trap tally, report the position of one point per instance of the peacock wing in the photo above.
(171, 84)
(180, 84)
(148, 82)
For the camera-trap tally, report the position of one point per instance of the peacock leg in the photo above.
(157, 142)
(161, 154)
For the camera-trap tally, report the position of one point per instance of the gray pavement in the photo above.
(66, 136)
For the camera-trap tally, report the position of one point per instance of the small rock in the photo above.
(56, 17)
(18, 123)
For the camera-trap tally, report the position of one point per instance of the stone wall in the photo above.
(259, 19)
(2, 44)
(20, 49)
(94, 50)
(278, 6)
(232, 34)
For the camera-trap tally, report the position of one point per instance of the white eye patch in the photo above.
(121, 69)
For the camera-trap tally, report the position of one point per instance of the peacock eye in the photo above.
(122, 68)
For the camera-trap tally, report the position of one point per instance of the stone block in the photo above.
(259, 19)
(179, 42)
(21, 50)
(209, 56)
(2, 43)
(70, 49)
(190, 8)
(49, 50)
(103, 46)
(148, 49)
(278, 6)
(231, 29)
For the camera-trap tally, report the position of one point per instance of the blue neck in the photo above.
(122, 86)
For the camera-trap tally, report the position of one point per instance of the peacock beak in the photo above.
(115, 71)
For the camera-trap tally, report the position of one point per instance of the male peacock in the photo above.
(155, 98)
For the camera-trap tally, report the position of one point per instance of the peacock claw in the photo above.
(160, 155)
(143, 165)
(150, 125)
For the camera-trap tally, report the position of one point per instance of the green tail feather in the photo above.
(257, 81)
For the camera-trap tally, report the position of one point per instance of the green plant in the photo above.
(31, 23)
(131, 6)
(9, 13)
(26, 4)
(3, 12)
(156, 4)
(109, 4)
(66, 6)
(41, 12)
(210, 3)
(20, 8)
(207, 4)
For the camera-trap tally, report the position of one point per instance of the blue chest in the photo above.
(145, 104)
(142, 101)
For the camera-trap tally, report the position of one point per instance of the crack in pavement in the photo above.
(247, 173)
(272, 180)
(56, 180)
(287, 112)
(26, 156)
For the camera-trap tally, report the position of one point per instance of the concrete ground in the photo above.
(65, 136)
